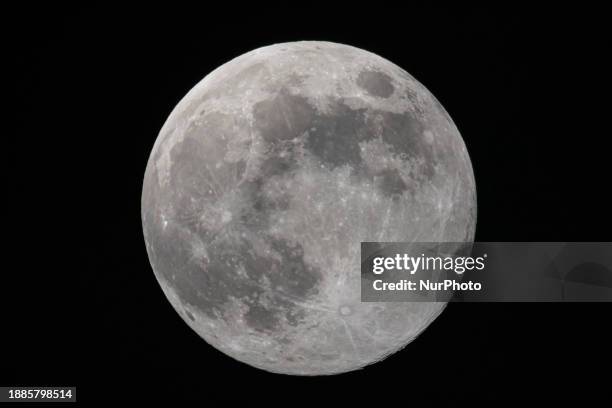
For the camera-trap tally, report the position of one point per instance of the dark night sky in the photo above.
(90, 89)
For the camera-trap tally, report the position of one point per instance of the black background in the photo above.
(91, 87)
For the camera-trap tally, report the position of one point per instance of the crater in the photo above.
(345, 310)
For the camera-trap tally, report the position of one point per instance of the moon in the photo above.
(265, 179)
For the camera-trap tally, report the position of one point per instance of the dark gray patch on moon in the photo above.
(334, 139)
(376, 83)
(283, 117)
(264, 181)
(286, 271)
(261, 318)
(391, 183)
(293, 276)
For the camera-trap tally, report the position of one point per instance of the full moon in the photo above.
(265, 179)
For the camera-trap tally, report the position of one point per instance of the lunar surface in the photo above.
(265, 179)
